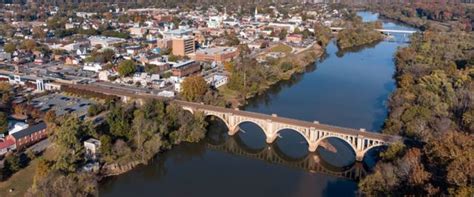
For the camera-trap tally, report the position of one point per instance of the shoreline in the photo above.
(118, 169)
(235, 102)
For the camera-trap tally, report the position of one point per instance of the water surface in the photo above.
(347, 89)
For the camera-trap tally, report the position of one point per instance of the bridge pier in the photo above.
(270, 139)
(233, 131)
(312, 147)
(359, 156)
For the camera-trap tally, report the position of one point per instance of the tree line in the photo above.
(130, 134)
(433, 106)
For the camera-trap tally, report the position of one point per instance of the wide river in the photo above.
(348, 89)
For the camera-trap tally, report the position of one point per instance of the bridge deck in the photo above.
(342, 130)
(296, 122)
(382, 30)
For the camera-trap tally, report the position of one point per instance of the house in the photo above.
(133, 50)
(72, 60)
(92, 66)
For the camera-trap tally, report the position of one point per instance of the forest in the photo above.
(438, 15)
(130, 135)
(433, 108)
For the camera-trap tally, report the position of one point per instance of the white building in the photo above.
(92, 66)
(166, 93)
(105, 42)
(92, 147)
(217, 80)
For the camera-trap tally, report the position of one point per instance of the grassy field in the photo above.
(282, 48)
(21, 181)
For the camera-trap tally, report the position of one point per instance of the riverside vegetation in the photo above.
(130, 135)
(436, 15)
(358, 33)
(433, 107)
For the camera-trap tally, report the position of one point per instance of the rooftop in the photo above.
(29, 130)
(217, 50)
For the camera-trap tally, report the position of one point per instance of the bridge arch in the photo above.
(362, 154)
(352, 145)
(188, 109)
(294, 130)
(218, 117)
(260, 125)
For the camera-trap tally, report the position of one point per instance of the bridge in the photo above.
(271, 154)
(360, 141)
(336, 29)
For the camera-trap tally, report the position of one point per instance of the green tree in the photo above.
(119, 120)
(126, 68)
(68, 139)
(193, 88)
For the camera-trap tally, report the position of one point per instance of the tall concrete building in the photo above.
(183, 45)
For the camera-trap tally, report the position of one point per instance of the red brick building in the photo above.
(28, 136)
(217, 54)
(186, 68)
(294, 38)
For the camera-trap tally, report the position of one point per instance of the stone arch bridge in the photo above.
(360, 140)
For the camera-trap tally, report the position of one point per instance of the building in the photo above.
(177, 33)
(294, 38)
(6, 145)
(164, 43)
(185, 68)
(92, 66)
(92, 148)
(28, 136)
(183, 46)
(216, 80)
(105, 42)
(217, 54)
(137, 31)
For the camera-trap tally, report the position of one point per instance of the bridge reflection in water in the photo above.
(272, 154)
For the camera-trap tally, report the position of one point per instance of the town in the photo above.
(92, 92)
(50, 65)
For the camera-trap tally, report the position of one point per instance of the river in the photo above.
(347, 89)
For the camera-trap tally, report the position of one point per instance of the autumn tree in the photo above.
(126, 68)
(3, 123)
(9, 47)
(193, 88)
(28, 44)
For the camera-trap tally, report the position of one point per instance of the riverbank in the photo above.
(298, 61)
(430, 109)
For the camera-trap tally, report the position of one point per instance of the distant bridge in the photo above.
(314, 133)
(310, 162)
(336, 29)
